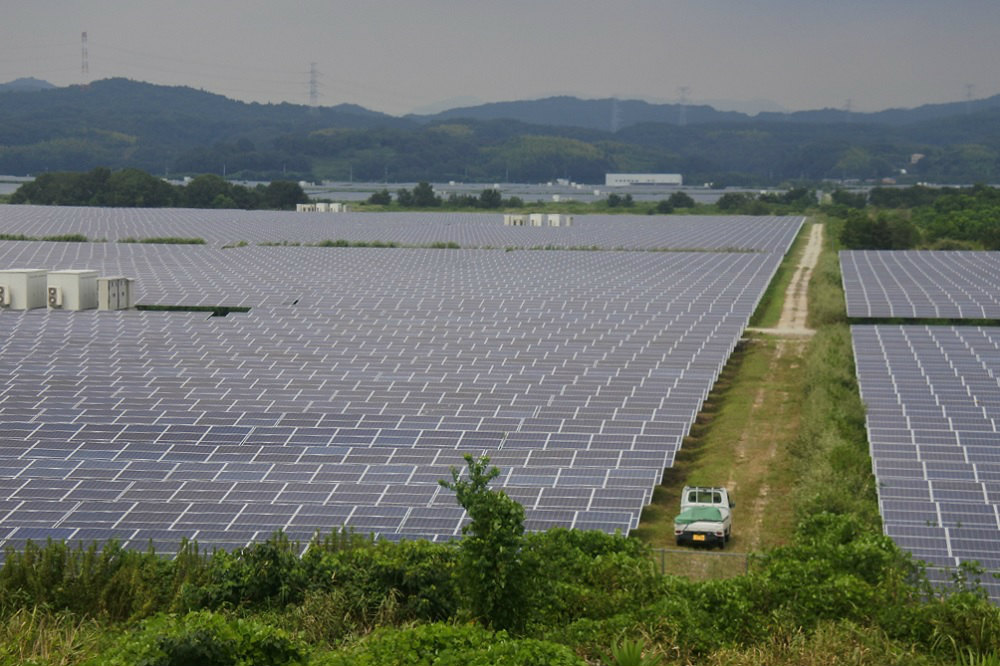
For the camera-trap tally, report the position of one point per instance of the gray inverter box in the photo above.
(114, 293)
(23, 288)
(72, 290)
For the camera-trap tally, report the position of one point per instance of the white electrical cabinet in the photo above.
(22, 288)
(114, 293)
(537, 219)
(72, 290)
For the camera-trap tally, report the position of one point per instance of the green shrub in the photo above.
(406, 581)
(492, 576)
(265, 574)
(66, 238)
(164, 240)
(450, 645)
(630, 653)
(579, 573)
(415, 646)
(92, 580)
(204, 638)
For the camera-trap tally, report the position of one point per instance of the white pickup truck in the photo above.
(706, 517)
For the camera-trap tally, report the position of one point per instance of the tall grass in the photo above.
(835, 469)
(36, 636)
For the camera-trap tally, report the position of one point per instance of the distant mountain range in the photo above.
(122, 123)
(23, 84)
(612, 114)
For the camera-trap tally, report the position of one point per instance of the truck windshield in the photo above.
(704, 497)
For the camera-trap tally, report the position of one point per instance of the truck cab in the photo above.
(706, 517)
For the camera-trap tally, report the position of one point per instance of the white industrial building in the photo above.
(624, 179)
(537, 220)
(322, 207)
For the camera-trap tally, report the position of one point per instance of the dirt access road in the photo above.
(742, 438)
(791, 334)
(796, 307)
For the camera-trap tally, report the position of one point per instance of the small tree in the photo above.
(681, 200)
(424, 197)
(491, 572)
(404, 197)
(734, 201)
(283, 195)
(380, 198)
(490, 198)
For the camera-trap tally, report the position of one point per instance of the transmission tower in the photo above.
(970, 92)
(682, 93)
(313, 86)
(616, 116)
(84, 60)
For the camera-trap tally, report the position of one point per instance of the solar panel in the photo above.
(935, 493)
(361, 375)
(921, 285)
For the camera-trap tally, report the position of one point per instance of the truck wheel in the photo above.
(728, 534)
(679, 542)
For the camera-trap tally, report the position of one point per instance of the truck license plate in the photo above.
(697, 537)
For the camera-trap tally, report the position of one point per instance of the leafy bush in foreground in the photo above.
(204, 639)
(450, 645)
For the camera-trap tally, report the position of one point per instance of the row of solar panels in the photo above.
(467, 229)
(921, 284)
(358, 378)
(933, 400)
(934, 442)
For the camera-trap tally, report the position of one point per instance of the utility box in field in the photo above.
(114, 293)
(71, 290)
(22, 288)
(536, 219)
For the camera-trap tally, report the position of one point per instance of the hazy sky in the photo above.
(395, 56)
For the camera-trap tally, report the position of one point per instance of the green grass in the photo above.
(751, 411)
(58, 238)
(768, 311)
(66, 238)
(164, 240)
(38, 636)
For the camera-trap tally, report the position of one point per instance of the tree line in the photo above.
(134, 188)
(919, 218)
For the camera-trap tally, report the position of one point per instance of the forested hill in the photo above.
(596, 114)
(612, 114)
(118, 123)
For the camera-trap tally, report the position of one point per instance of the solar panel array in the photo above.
(933, 400)
(219, 227)
(922, 285)
(357, 379)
